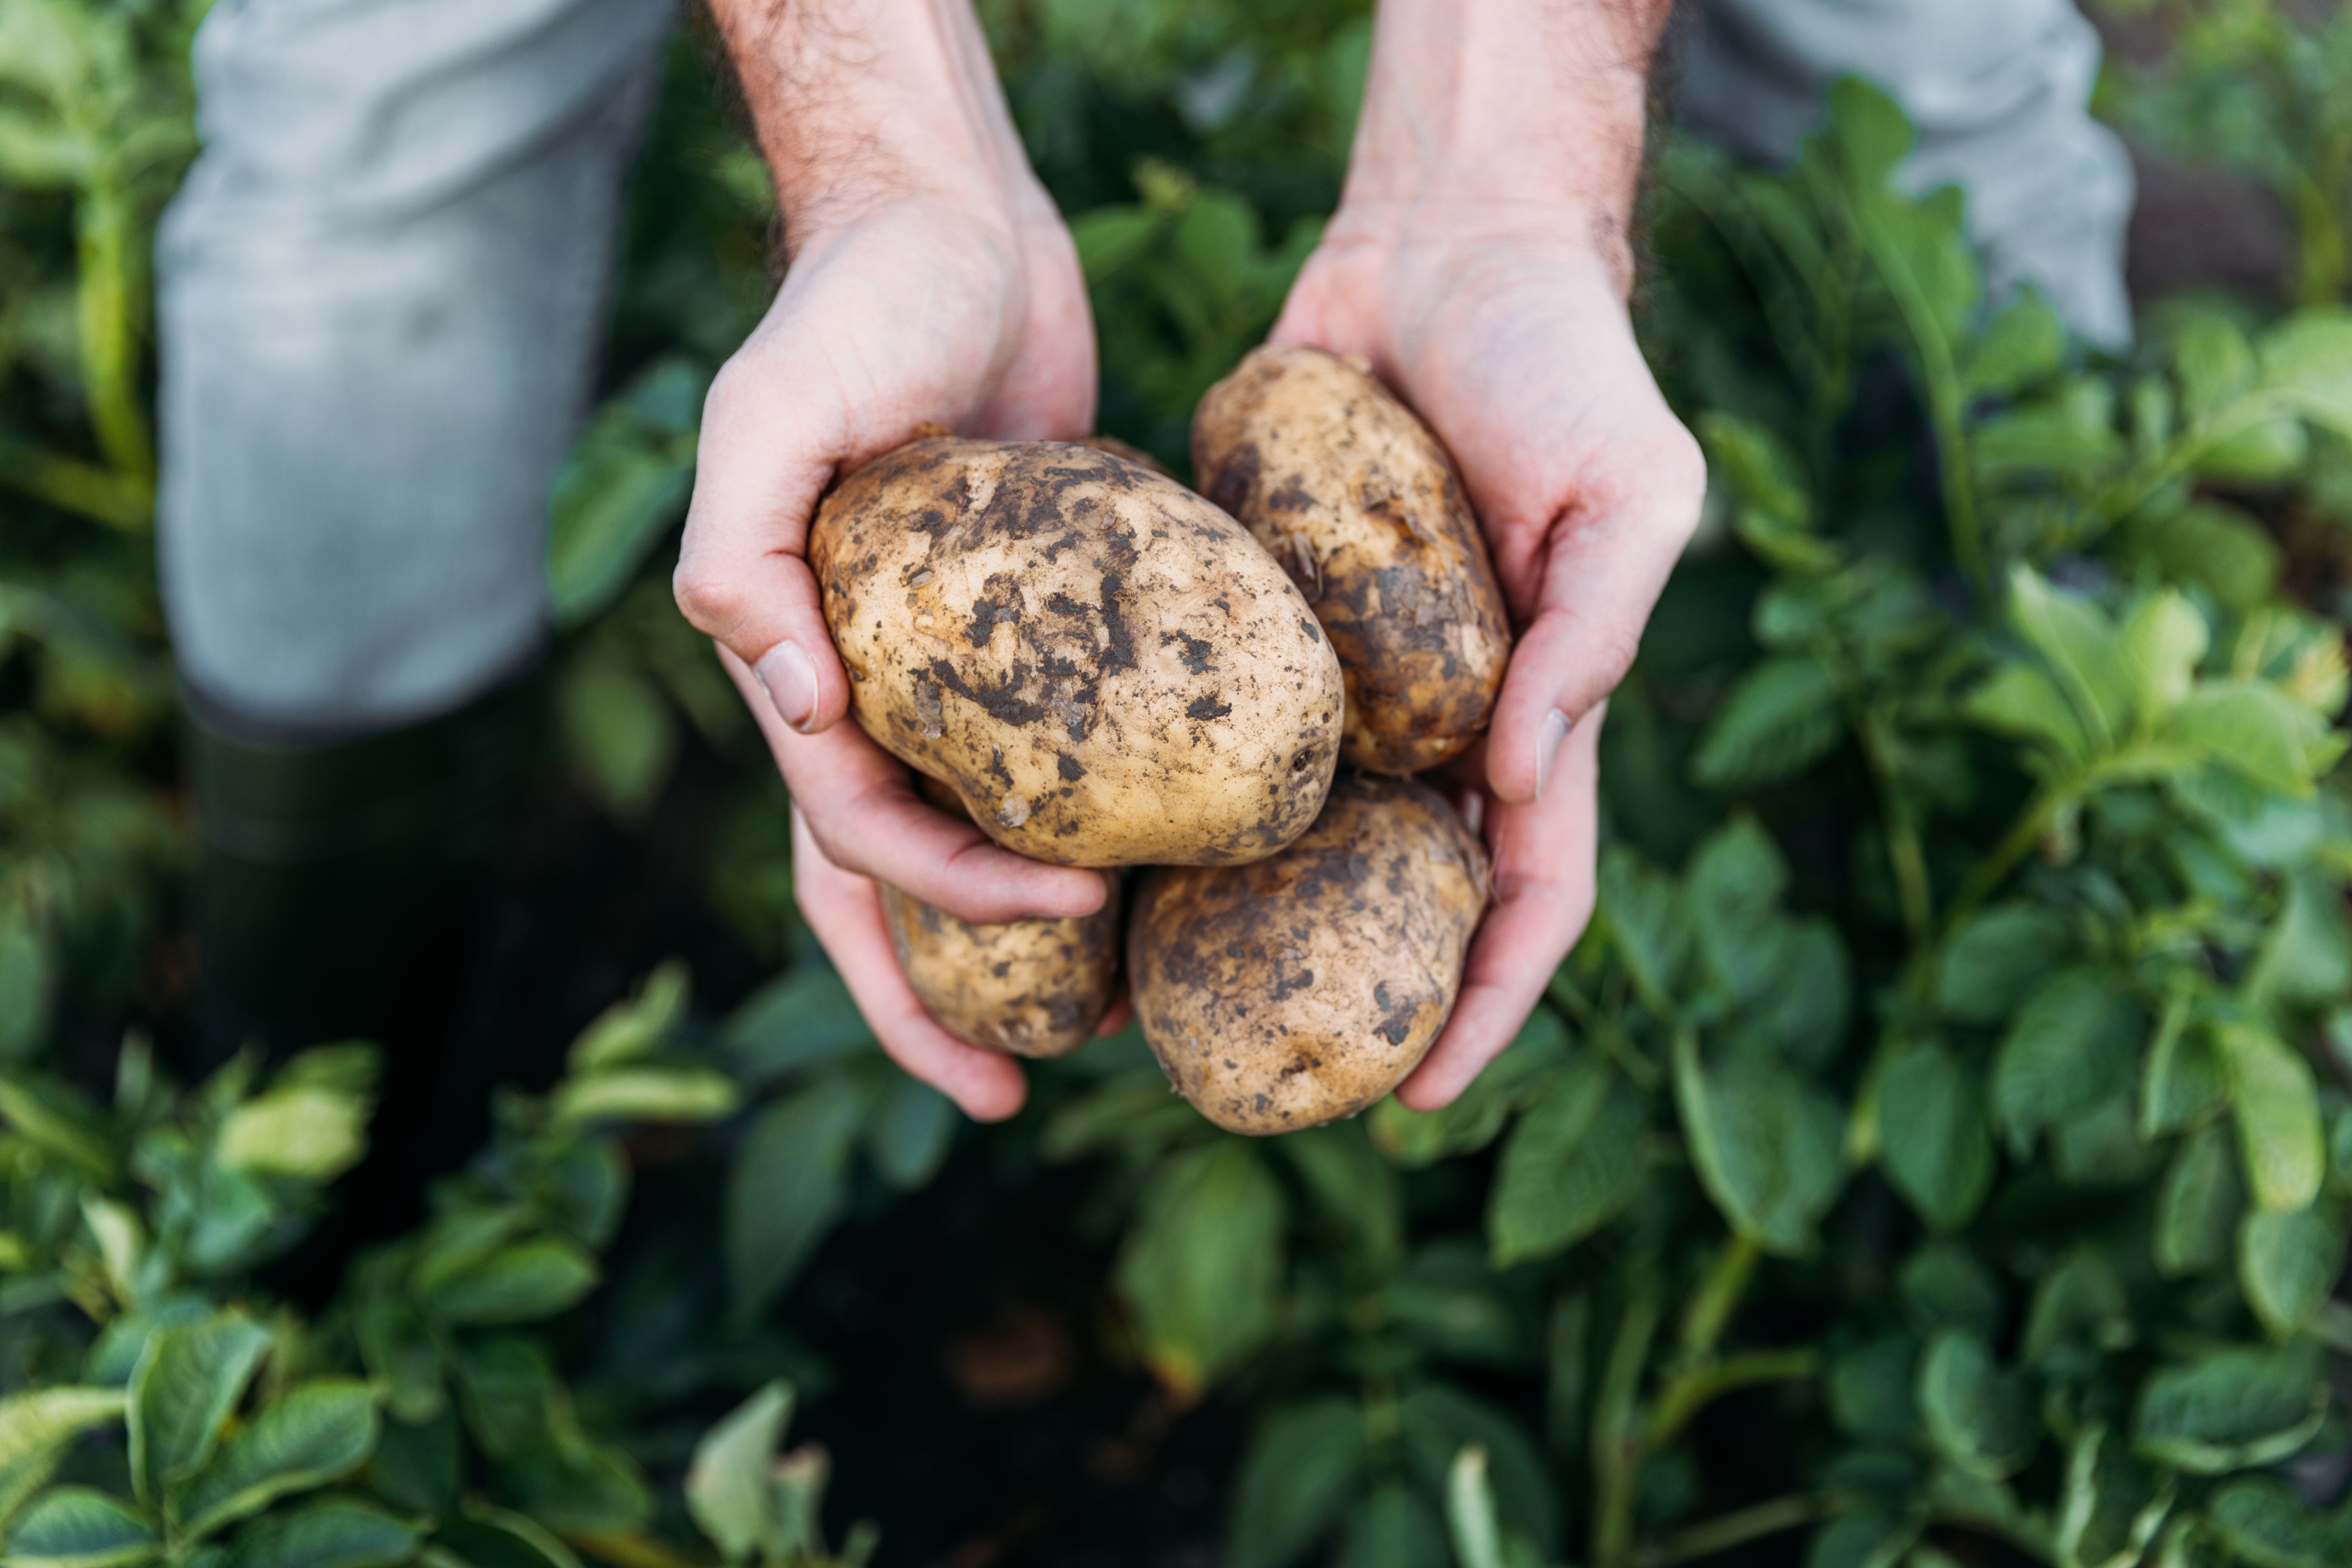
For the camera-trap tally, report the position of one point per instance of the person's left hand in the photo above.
(1505, 329)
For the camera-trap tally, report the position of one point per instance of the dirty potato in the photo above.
(1030, 988)
(1360, 503)
(1305, 986)
(1104, 666)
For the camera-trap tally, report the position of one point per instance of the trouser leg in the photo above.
(2000, 92)
(381, 293)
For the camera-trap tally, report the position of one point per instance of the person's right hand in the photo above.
(932, 282)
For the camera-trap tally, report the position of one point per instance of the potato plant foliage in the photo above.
(1938, 1152)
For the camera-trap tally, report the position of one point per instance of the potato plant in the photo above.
(1939, 1151)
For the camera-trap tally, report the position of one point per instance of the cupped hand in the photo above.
(923, 309)
(1504, 327)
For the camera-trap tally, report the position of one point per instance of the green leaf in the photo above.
(2024, 344)
(1439, 1421)
(2183, 1086)
(187, 1383)
(2307, 960)
(1869, 1537)
(1979, 1417)
(2212, 360)
(306, 1439)
(618, 732)
(2074, 1046)
(494, 1538)
(335, 1532)
(569, 1481)
(36, 1427)
(1304, 1467)
(1647, 923)
(1202, 1268)
(1944, 1285)
(2113, 1506)
(728, 1488)
(2287, 1264)
(517, 1284)
(2277, 1106)
(507, 1392)
(682, 1094)
(75, 1527)
(627, 1031)
(2198, 1208)
(1470, 1511)
(1783, 717)
(2022, 701)
(2079, 1314)
(2160, 645)
(1872, 1389)
(2308, 356)
(2232, 1409)
(1394, 1527)
(1353, 1195)
(416, 1465)
(910, 1137)
(2263, 1524)
(1994, 961)
(804, 1020)
(27, 984)
(55, 1119)
(788, 1186)
(1769, 1146)
(2256, 730)
(1414, 1140)
(1733, 886)
(1571, 1165)
(305, 1131)
(618, 495)
(1934, 1135)
(2080, 644)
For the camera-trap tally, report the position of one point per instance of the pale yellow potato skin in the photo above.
(1360, 502)
(1028, 989)
(1106, 667)
(1304, 987)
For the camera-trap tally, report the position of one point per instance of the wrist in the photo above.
(863, 104)
(1505, 118)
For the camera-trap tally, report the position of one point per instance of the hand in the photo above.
(1478, 261)
(931, 281)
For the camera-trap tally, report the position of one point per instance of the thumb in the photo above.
(764, 460)
(1606, 560)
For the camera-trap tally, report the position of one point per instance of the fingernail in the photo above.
(1547, 739)
(789, 679)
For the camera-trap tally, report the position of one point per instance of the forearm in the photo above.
(1508, 112)
(858, 103)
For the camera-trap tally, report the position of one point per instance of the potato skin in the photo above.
(1106, 667)
(1304, 987)
(1028, 989)
(1360, 503)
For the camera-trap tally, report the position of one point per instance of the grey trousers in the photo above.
(382, 288)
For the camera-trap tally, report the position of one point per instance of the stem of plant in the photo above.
(1617, 1436)
(1994, 868)
(108, 303)
(1904, 855)
(1713, 1535)
(1942, 387)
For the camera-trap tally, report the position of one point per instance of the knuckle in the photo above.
(709, 599)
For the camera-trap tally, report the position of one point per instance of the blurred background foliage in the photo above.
(1937, 1153)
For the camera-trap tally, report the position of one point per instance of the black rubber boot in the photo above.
(341, 895)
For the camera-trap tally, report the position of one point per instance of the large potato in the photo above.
(1361, 504)
(1032, 988)
(1304, 987)
(1105, 666)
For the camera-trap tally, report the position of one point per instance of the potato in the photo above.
(1105, 666)
(1361, 504)
(1304, 987)
(1030, 988)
